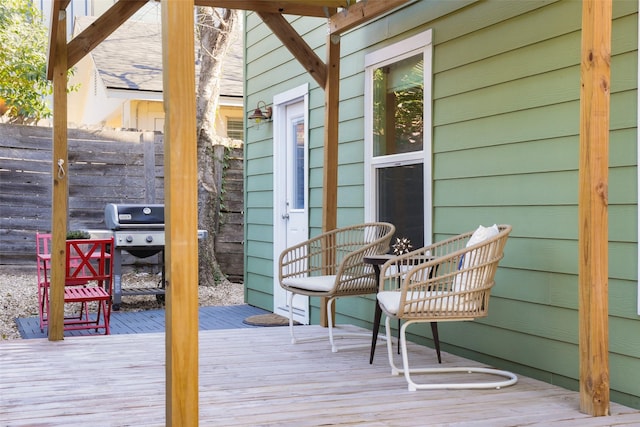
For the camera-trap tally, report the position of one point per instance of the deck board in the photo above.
(148, 321)
(255, 377)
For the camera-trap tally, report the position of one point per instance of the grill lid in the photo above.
(133, 216)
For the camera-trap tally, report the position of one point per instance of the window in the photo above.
(398, 137)
(235, 129)
(298, 151)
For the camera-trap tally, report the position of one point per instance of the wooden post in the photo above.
(181, 207)
(60, 177)
(331, 119)
(592, 207)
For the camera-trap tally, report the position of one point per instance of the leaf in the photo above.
(23, 81)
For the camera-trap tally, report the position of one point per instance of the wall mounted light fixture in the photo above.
(258, 115)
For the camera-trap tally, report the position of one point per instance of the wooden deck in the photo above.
(254, 377)
(149, 321)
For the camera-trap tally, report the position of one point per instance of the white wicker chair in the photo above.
(447, 281)
(331, 266)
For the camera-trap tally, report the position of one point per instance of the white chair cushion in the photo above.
(311, 283)
(483, 233)
(480, 235)
(390, 300)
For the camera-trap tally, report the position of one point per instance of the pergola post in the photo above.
(181, 208)
(593, 235)
(330, 176)
(60, 178)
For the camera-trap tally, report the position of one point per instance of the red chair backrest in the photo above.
(43, 244)
(88, 260)
(43, 241)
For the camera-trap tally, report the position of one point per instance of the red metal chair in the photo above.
(88, 279)
(43, 258)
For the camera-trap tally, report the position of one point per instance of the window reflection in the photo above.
(398, 95)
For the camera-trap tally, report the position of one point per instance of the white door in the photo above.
(291, 215)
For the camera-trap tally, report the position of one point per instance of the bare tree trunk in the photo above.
(216, 29)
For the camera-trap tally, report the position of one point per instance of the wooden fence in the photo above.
(104, 167)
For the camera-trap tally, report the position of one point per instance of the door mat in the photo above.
(270, 319)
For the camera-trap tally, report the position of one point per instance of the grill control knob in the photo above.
(149, 239)
(129, 238)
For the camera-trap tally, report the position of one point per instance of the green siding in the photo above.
(506, 81)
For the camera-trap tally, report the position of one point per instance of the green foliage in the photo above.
(23, 62)
(78, 234)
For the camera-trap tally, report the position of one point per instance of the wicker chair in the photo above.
(447, 281)
(331, 266)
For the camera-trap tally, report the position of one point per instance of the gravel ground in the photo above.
(19, 297)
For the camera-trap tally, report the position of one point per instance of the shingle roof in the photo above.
(131, 58)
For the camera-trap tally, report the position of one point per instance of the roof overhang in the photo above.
(148, 95)
(231, 101)
(144, 95)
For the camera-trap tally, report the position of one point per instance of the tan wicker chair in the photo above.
(331, 266)
(447, 281)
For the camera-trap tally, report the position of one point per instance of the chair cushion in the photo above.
(480, 235)
(311, 283)
(483, 233)
(390, 300)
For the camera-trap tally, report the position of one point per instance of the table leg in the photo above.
(376, 319)
(436, 339)
(376, 326)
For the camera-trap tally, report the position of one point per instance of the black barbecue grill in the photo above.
(139, 230)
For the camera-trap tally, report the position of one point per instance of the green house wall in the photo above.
(506, 82)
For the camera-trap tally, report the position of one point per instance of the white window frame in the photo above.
(419, 43)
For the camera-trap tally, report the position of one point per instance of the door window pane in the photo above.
(298, 166)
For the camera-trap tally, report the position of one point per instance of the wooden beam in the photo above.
(101, 28)
(360, 13)
(181, 207)
(331, 122)
(592, 207)
(60, 178)
(297, 46)
(56, 7)
(322, 9)
(327, 3)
